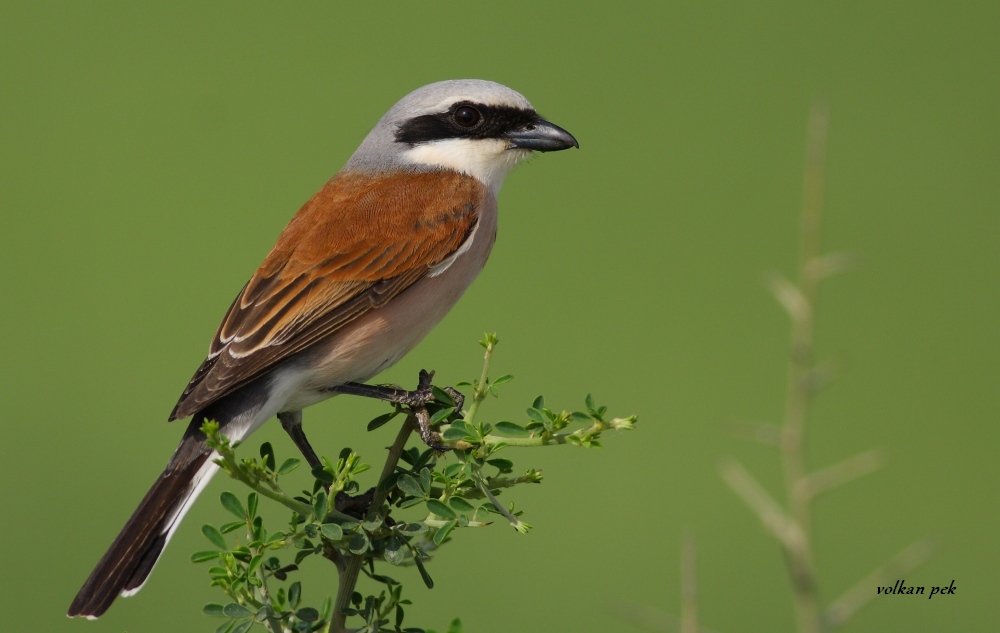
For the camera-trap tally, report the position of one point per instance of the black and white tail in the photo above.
(125, 566)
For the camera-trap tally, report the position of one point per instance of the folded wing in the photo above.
(359, 242)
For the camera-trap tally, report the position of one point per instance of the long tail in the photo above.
(128, 562)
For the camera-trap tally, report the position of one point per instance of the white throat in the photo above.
(488, 160)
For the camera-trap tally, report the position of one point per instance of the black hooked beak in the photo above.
(542, 136)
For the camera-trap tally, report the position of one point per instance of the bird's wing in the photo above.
(359, 242)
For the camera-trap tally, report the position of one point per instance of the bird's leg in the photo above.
(427, 433)
(291, 421)
(419, 397)
(416, 400)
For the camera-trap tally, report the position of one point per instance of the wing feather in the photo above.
(359, 242)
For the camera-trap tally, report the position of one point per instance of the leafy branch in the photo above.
(454, 485)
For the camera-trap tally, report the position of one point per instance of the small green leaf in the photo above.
(425, 480)
(511, 429)
(302, 555)
(243, 626)
(319, 505)
(442, 396)
(307, 614)
(381, 420)
(231, 503)
(252, 504)
(536, 414)
(201, 557)
(359, 543)
(264, 613)
(412, 529)
(230, 527)
(348, 525)
(505, 465)
(409, 486)
(428, 581)
(590, 403)
(455, 626)
(213, 609)
(254, 563)
(289, 465)
(267, 456)
(453, 434)
(235, 610)
(394, 553)
(322, 474)
(213, 535)
(226, 627)
(444, 531)
(460, 505)
(503, 380)
(441, 414)
(332, 531)
(440, 509)
(539, 403)
(409, 456)
(294, 594)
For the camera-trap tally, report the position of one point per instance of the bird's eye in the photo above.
(467, 117)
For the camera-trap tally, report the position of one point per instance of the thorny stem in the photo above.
(349, 575)
(479, 390)
(545, 440)
(800, 391)
(513, 520)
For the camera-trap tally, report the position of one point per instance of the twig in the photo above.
(840, 473)
(481, 389)
(689, 585)
(770, 513)
(515, 522)
(349, 575)
(800, 391)
(844, 607)
(791, 527)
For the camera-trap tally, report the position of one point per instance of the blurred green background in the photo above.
(150, 155)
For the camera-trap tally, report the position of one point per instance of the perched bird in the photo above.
(359, 276)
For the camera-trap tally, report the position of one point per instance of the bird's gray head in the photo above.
(476, 127)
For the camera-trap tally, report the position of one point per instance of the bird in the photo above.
(364, 270)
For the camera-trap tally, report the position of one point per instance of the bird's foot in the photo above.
(416, 400)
